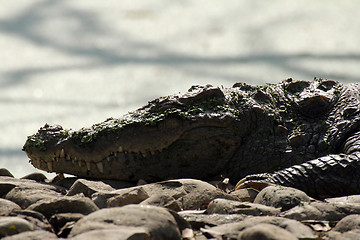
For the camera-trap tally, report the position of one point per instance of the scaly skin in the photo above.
(310, 129)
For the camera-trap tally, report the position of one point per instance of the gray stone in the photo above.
(162, 201)
(322, 211)
(348, 223)
(66, 182)
(345, 199)
(231, 230)
(58, 221)
(200, 198)
(190, 193)
(225, 206)
(33, 235)
(88, 187)
(266, 231)
(281, 197)
(64, 204)
(33, 217)
(5, 172)
(14, 225)
(245, 194)
(182, 224)
(134, 196)
(350, 235)
(119, 233)
(26, 197)
(198, 219)
(8, 183)
(157, 221)
(38, 177)
(6, 207)
(116, 184)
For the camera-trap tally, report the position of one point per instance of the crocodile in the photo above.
(296, 133)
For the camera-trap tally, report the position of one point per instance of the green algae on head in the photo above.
(45, 135)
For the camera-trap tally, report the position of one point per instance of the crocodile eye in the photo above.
(297, 87)
(326, 85)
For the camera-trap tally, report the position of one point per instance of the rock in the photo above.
(225, 206)
(198, 219)
(64, 204)
(6, 207)
(26, 197)
(182, 224)
(116, 184)
(36, 218)
(88, 187)
(162, 201)
(159, 211)
(190, 193)
(200, 198)
(66, 182)
(231, 230)
(350, 235)
(33, 235)
(8, 183)
(245, 195)
(348, 223)
(38, 177)
(322, 211)
(135, 196)
(281, 197)
(58, 221)
(65, 230)
(14, 225)
(157, 222)
(266, 231)
(5, 172)
(346, 199)
(119, 233)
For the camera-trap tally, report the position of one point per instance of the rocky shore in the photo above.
(35, 208)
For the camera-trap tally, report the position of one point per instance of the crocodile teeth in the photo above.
(120, 149)
(108, 159)
(68, 158)
(79, 162)
(50, 166)
(100, 167)
(115, 154)
(143, 154)
(62, 153)
(88, 165)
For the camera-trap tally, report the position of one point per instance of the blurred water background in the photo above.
(76, 63)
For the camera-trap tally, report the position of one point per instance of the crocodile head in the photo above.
(201, 134)
(175, 136)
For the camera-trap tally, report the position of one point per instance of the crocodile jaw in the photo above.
(131, 153)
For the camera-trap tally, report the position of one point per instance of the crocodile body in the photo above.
(303, 134)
